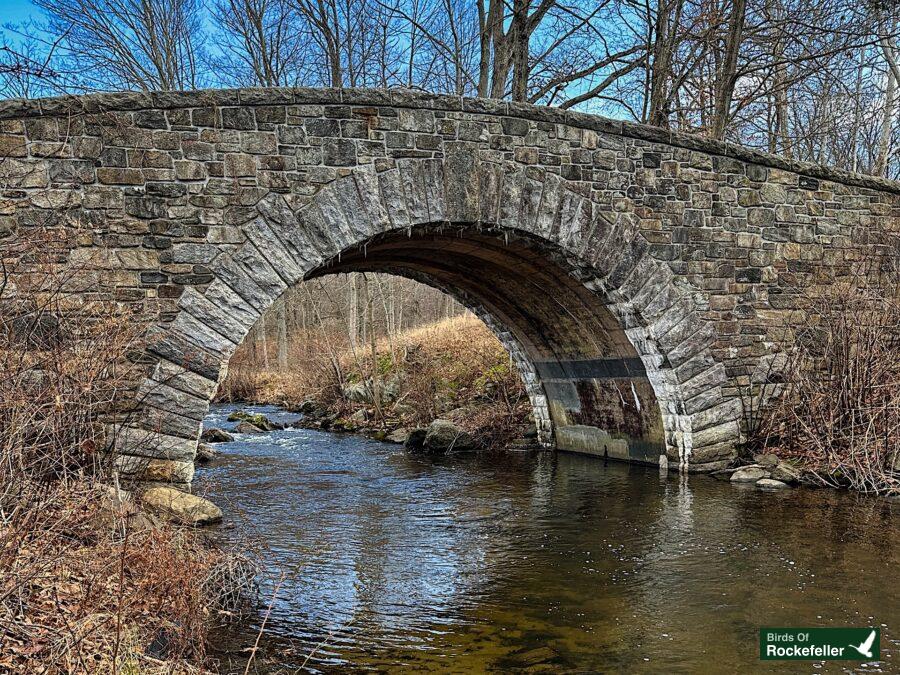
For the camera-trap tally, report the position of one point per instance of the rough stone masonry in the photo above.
(644, 281)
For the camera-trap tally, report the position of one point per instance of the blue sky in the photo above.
(17, 11)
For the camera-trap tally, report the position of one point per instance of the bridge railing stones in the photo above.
(197, 209)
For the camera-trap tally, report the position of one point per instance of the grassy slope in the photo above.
(454, 369)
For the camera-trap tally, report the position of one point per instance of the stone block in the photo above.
(12, 146)
(416, 120)
(514, 126)
(120, 176)
(238, 118)
(23, 174)
(338, 152)
(238, 166)
(259, 142)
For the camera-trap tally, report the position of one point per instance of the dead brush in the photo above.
(85, 585)
(840, 408)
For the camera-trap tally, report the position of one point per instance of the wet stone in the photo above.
(749, 474)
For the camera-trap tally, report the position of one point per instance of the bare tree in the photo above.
(266, 44)
(811, 79)
(129, 44)
(27, 66)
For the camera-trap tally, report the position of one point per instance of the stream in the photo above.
(535, 561)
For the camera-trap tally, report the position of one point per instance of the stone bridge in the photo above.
(641, 279)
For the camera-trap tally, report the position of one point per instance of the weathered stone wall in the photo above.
(645, 275)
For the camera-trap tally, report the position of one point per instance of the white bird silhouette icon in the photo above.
(866, 647)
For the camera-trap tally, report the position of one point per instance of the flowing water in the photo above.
(385, 561)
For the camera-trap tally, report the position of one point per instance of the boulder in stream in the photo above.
(214, 435)
(445, 436)
(415, 439)
(247, 427)
(770, 484)
(398, 436)
(181, 507)
(786, 473)
(205, 453)
(256, 419)
(749, 474)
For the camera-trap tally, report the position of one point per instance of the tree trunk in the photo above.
(727, 76)
(519, 36)
(282, 335)
(660, 69)
(887, 118)
(484, 43)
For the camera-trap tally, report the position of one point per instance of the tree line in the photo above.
(815, 80)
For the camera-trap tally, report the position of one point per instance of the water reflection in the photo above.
(542, 561)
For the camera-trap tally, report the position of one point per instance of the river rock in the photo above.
(181, 506)
(364, 392)
(390, 392)
(256, 419)
(205, 453)
(404, 409)
(415, 439)
(214, 435)
(786, 473)
(770, 484)
(358, 392)
(116, 508)
(246, 427)
(307, 407)
(359, 416)
(444, 436)
(749, 474)
(398, 436)
(768, 460)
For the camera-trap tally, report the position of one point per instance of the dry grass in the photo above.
(85, 591)
(454, 368)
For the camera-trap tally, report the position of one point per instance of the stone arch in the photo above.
(599, 248)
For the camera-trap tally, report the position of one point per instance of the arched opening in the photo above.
(618, 357)
(587, 383)
(385, 355)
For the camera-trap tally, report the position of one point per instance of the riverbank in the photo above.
(93, 578)
(453, 370)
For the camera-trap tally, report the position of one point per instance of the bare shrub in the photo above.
(60, 371)
(242, 383)
(87, 582)
(840, 408)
